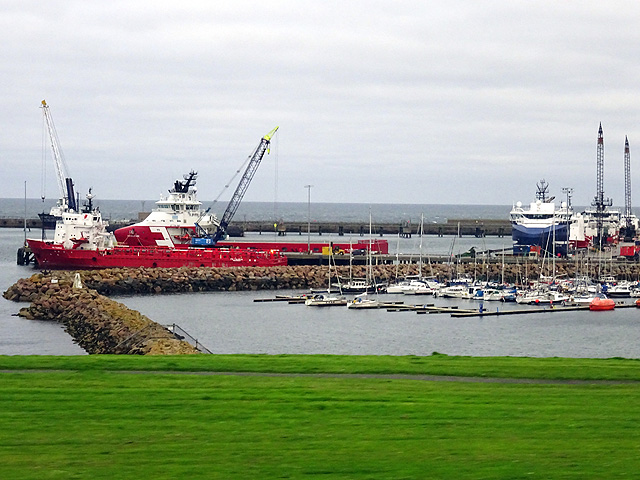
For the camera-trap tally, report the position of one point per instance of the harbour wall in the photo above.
(462, 227)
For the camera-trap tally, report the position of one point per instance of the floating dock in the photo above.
(497, 312)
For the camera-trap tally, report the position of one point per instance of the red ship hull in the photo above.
(55, 256)
(145, 235)
(377, 246)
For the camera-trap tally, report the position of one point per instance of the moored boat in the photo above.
(363, 301)
(326, 300)
(601, 304)
(173, 222)
(540, 224)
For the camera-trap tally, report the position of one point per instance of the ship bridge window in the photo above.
(539, 216)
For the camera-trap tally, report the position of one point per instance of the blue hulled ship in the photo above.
(540, 227)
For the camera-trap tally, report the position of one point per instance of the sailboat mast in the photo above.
(421, 235)
(370, 263)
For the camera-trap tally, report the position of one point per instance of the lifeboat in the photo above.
(598, 304)
(638, 303)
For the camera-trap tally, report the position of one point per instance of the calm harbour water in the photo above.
(233, 323)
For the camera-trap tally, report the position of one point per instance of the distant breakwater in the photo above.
(463, 227)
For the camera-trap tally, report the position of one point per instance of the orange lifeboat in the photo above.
(638, 303)
(598, 304)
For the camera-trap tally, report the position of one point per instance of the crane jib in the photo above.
(241, 189)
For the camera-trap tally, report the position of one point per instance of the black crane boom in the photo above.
(241, 189)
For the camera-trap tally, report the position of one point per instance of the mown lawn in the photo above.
(98, 420)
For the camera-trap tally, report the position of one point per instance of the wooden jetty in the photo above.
(497, 312)
(427, 308)
(292, 299)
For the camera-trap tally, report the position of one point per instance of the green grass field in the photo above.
(108, 417)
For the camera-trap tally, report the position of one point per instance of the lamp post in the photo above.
(308, 187)
(568, 191)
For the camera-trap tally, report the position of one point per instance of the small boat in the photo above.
(582, 299)
(638, 303)
(532, 297)
(601, 304)
(619, 289)
(359, 285)
(413, 285)
(326, 300)
(363, 301)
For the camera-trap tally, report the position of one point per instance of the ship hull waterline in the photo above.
(55, 256)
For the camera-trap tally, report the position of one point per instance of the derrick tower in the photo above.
(627, 180)
(629, 228)
(599, 202)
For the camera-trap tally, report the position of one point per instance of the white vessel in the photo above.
(84, 230)
(326, 300)
(173, 221)
(540, 224)
(363, 301)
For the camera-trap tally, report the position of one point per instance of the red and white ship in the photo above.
(81, 239)
(173, 222)
(55, 256)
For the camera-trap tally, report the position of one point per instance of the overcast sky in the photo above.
(377, 102)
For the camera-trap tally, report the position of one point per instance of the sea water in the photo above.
(231, 322)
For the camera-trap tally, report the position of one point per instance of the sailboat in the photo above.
(363, 301)
(415, 284)
(362, 285)
(328, 298)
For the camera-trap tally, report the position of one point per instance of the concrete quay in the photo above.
(463, 227)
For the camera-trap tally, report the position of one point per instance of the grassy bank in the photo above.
(106, 418)
(436, 364)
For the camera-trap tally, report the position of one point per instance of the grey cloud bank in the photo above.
(393, 102)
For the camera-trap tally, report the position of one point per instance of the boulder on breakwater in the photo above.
(97, 323)
(101, 325)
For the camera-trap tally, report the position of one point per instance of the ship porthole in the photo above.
(202, 264)
(94, 259)
(154, 265)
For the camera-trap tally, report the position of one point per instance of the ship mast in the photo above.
(599, 202)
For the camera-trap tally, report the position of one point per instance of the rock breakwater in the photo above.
(101, 325)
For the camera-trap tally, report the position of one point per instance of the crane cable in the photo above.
(226, 186)
(43, 173)
(240, 169)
